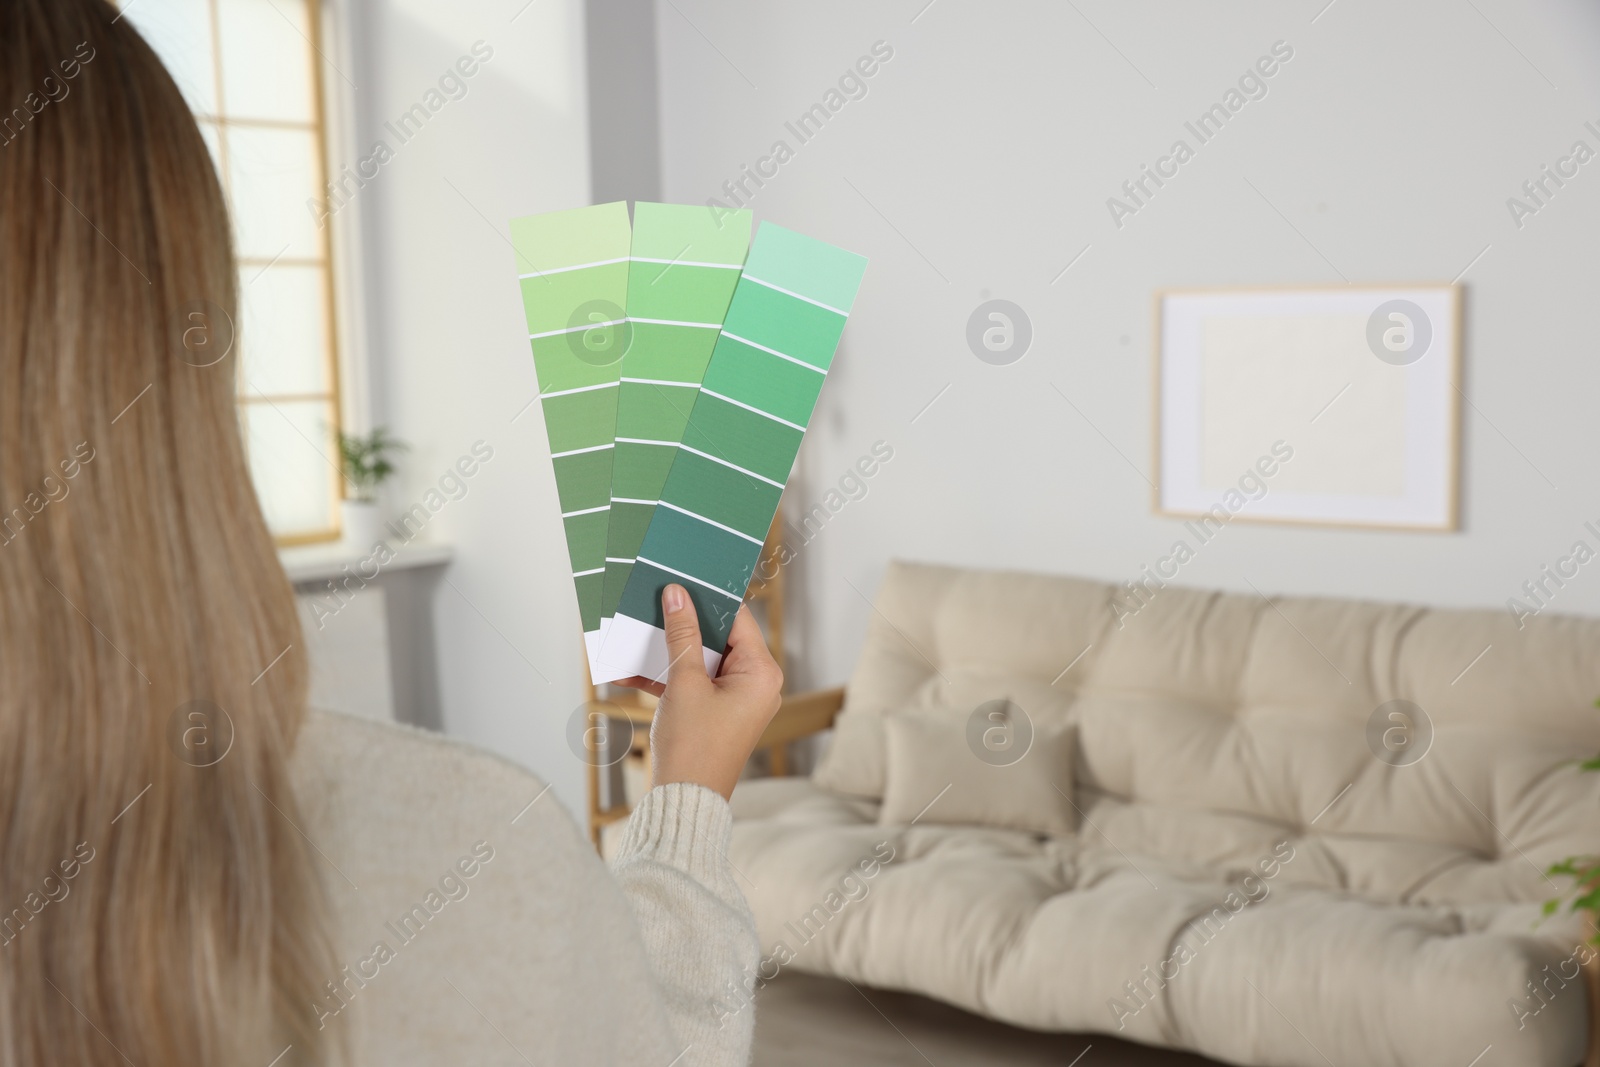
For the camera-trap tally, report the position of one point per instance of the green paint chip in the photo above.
(641, 599)
(583, 480)
(682, 233)
(669, 353)
(590, 587)
(762, 380)
(641, 470)
(684, 271)
(654, 412)
(574, 298)
(690, 545)
(679, 292)
(746, 439)
(744, 432)
(616, 580)
(573, 279)
(778, 321)
(558, 240)
(627, 527)
(724, 495)
(559, 370)
(581, 420)
(806, 266)
(586, 540)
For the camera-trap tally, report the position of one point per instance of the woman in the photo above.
(315, 895)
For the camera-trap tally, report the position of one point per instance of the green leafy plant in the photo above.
(1585, 874)
(367, 460)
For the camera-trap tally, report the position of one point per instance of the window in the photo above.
(252, 72)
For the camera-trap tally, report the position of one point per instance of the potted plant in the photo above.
(367, 462)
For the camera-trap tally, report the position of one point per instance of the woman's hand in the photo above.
(705, 728)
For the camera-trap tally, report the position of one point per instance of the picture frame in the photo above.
(1327, 406)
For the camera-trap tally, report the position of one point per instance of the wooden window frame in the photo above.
(326, 261)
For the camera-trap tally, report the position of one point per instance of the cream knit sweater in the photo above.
(477, 925)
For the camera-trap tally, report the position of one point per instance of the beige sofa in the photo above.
(1256, 865)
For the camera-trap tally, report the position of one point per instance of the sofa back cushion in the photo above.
(1274, 709)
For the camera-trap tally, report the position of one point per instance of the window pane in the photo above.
(180, 33)
(284, 335)
(291, 459)
(274, 174)
(266, 60)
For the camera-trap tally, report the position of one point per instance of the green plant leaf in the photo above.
(364, 459)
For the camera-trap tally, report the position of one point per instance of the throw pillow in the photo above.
(991, 766)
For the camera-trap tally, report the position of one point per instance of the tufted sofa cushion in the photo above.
(1216, 734)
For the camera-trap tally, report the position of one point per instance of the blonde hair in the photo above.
(152, 910)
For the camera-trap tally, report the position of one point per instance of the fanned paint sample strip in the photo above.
(755, 401)
(573, 267)
(685, 264)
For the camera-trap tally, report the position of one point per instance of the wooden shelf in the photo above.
(318, 563)
(800, 716)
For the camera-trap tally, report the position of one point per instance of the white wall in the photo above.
(987, 148)
(450, 351)
(989, 144)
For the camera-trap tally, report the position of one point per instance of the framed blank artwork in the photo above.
(1326, 406)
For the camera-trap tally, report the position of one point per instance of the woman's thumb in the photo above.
(683, 635)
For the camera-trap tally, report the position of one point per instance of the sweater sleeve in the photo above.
(697, 929)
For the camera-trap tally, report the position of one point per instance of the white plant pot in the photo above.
(363, 527)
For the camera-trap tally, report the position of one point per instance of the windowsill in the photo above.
(318, 563)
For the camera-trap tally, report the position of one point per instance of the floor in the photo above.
(803, 1020)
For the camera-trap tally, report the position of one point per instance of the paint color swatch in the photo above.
(684, 266)
(573, 267)
(744, 431)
